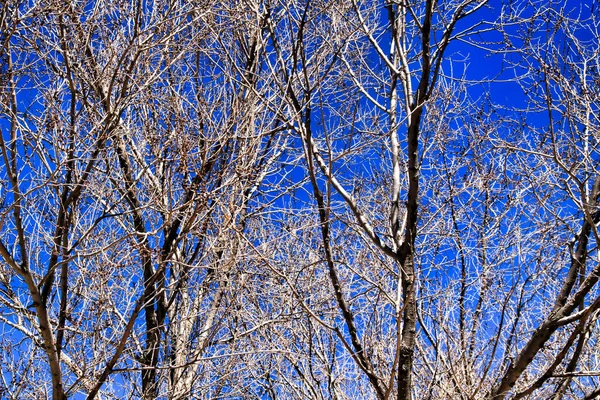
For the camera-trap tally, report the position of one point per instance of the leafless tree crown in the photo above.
(295, 199)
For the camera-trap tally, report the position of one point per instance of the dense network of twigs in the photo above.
(347, 199)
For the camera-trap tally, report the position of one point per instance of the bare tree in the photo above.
(472, 242)
(299, 199)
(133, 141)
(394, 66)
(563, 83)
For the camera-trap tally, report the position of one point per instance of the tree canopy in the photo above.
(299, 199)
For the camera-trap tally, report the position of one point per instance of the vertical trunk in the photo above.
(406, 256)
(409, 323)
(45, 330)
